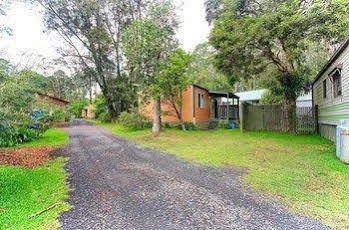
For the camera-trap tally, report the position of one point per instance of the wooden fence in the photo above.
(274, 118)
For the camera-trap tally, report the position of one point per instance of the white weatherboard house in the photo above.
(331, 92)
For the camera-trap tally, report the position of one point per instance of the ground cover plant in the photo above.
(301, 171)
(33, 187)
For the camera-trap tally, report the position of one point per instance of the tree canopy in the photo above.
(174, 80)
(92, 30)
(148, 43)
(274, 37)
(202, 70)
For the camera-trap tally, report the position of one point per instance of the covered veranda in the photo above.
(224, 106)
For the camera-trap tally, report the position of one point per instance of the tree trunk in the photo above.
(290, 107)
(157, 116)
(183, 125)
(113, 112)
(179, 116)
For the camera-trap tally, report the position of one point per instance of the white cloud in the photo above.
(194, 28)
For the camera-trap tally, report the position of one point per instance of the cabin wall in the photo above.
(50, 101)
(168, 112)
(332, 109)
(202, 115)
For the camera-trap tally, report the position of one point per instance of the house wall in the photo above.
(50, 101)
(88, 112)
(202, 115)
(168, 112)
(332, 109)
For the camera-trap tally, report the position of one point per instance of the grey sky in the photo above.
(29, 39)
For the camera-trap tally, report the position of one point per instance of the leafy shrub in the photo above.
(168, 126)
(57, 115)
(223, 124)
(100, 106)
(78, 106)
(104, 117)
(11, 135)
(189, 126)
(133, 120)
(60, 115)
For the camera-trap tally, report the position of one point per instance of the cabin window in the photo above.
(337, 84)
(201, 101)
(324, 88)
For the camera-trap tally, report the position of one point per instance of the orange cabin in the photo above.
(200, 106)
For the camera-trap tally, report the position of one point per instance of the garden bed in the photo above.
(26, 157)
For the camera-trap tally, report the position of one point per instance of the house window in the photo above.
(337, 84)
(201, 101)
(324, 88)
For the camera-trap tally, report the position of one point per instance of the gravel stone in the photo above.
(117, 184)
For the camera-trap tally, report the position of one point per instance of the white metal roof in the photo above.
(256, 95)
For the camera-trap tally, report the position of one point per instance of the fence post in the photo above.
(316, 117)
(242, 116)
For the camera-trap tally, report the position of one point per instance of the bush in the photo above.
(105, 117)
(189, 126)
(60, 115)
(134, 120)
(224, 124)
(12, 135)
(100, 106)
(168, 126)
(78, 106)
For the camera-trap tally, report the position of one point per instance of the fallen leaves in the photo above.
(26, 157)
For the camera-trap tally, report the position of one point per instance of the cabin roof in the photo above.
(218, 93)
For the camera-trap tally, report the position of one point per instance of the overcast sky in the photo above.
(29, 37)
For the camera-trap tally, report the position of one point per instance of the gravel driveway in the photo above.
(119, 185)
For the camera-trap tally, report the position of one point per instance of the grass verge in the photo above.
(302, 171)
(34, 198)
(54, 137)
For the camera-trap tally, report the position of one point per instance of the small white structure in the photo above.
(253, 97)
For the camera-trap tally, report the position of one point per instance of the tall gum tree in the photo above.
(267, 36)
(92, 30)
(148, 43)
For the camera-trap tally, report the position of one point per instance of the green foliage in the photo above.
(17, 103)
(68, 87)
(223, 124)
(93, 29)
(189, 126)
(202, 70)
(133, 120)
(77, 107)
(274, 38)
(61, 115)
(58, 115)
(105, 117)
(25, 192)
(53, 137)
(269, 98)
(173, 79)
(13, 135)
(148, 43)
(100, 105)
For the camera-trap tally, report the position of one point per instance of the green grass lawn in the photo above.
(302, 171)
(53, 137)
(25, 193)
